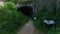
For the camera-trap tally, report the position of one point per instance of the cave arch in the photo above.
(26, 10)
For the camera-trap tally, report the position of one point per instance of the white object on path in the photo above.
(35, 18)
(49, 21)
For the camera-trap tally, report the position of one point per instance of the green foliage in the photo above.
(10, 19)
(10, 6)
(43, 14)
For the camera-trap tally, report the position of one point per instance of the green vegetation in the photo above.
(43, 14)
(11, 19)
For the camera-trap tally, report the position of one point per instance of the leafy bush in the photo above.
(10, 19)
(43, 14)
(10, 6)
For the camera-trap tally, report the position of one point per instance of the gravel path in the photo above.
(29, 29)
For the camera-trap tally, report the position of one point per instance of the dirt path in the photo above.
(29, 29)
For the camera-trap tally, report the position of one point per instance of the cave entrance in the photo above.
(26, 10)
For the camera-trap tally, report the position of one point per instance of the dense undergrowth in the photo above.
(10, 18)
(46, 13)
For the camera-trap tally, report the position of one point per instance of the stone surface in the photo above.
(27, 29)
(2, 3)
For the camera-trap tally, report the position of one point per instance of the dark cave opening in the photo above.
(26, 10)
